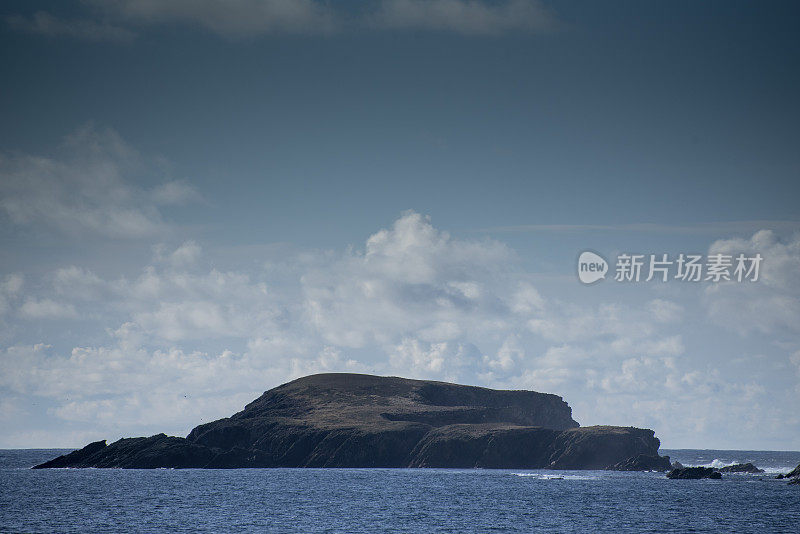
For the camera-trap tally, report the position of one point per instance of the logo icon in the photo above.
(591, 267)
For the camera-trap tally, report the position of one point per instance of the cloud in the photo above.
(449, 361)
(235, 18)
(43, 23)
(175, 193)
(184, 256)
(126, 386)
(85, 188)
(463, 16)
(665, 311)
(185, 340)
(120, 20)
(10, 287)
(47, 309)
(565, 321)
(410, 279)
(771, 305)
(412, 302)
(701, 228)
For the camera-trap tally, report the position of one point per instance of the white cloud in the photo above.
(771, 305)
(563, 321)
(10, 288)
(665, 311)
(559, 365)
(83, 189)
(413, 301)
(132, 386)
(184, 256)
(638, 375)
(670, 345)
(78, 284)
(454, 362)
(411, 280)
(47, 309)
(508, 355)
(329, 359)
(175, 192)
(526, 300)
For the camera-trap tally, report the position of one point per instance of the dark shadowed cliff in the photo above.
(352, 420)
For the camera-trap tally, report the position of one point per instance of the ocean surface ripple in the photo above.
(396, 500)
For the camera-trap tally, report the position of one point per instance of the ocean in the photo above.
(397, 500)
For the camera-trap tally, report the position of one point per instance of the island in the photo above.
(358, 420)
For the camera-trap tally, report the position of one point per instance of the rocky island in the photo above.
(355, 420)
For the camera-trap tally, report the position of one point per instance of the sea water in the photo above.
(397, 500)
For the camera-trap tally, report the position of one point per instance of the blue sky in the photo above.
(199, 203)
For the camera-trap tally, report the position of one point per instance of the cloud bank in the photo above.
(411, 301)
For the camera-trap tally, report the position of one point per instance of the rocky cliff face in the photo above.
(350, 420)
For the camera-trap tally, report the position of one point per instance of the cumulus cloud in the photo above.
(411, 279)
(412, 301)
(770, 305)
(85, 188)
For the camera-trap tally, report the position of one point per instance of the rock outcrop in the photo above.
(793, 475)
(351, 420)
(644, 462)
(695, 473)
(740, 468)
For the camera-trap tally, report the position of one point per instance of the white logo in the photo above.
(715, 268)
(591, 267)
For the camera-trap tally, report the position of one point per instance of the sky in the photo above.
(200, 201)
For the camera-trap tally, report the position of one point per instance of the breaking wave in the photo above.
(555, 476)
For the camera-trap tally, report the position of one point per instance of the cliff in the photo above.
(352, 420)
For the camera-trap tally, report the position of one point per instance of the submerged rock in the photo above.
(351, 420)
(694, 473)
(740, 468)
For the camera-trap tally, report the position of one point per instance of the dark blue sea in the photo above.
(396, 500)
